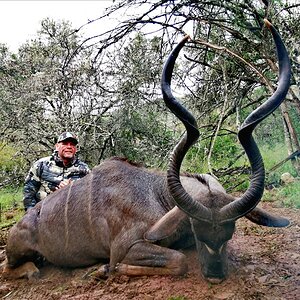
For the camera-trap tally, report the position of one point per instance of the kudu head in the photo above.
(213, 214)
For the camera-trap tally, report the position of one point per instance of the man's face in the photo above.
(66, 149)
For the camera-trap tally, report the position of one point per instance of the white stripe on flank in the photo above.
(66, 217)
(89, 212)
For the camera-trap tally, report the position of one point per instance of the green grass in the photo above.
(11, 206)
(286, 196)
(290, 195)
(10, 197)
(272, 156)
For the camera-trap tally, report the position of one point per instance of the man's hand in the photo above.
(64, 183)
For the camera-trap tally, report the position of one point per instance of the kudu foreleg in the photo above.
(26, 270)
(145, 259)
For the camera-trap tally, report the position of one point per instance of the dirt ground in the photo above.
(264, 264)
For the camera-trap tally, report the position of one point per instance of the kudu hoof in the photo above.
(100, 273)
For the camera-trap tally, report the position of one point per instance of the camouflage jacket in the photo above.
(46, 174)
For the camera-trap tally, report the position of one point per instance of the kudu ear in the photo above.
(261, 217)
(167, 225)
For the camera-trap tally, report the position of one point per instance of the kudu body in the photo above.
(132, 216)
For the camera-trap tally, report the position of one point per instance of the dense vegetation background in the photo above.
(106, 88)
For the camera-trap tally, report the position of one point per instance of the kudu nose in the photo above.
(214, 280)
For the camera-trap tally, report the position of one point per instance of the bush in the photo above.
(12, 166)
(8, 158)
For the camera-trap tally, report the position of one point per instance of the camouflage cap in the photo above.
(68, 136)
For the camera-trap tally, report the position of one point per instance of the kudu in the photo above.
(134, 217)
